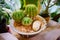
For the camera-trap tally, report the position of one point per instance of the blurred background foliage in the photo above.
(3, 4)
(4, 14)
(54, 7)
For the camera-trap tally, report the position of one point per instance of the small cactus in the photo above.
(18, 15)
(31, 10)
(27, 21)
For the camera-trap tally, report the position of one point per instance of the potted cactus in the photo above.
(27, 22)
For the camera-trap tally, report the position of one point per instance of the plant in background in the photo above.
(5, 15)
(31, 10)
(13, 4)
(55, 16)
(58, 2)
(45, 13)
(3, 4)
(1, 13)
(48, 5)
(27, 21)
(22, 5)
(18, 15)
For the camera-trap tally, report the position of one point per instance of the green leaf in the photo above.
(22, 3)
(7, 17)
(58, 2)
(1, 13)
(2, 2)
(53, 14)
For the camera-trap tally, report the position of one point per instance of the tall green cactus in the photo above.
(31, 10)
(18, 15)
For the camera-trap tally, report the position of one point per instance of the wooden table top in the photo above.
(50, 33)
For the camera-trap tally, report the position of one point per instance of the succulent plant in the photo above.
(31, 10)
(7, 17)
(18, 15)
(27, 21)
(3, 15)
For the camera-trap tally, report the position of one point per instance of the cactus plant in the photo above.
(18, 15)
(27, 21)
(31, 10)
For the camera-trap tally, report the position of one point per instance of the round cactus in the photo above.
(27, 21)
(31, 10)
(18, 15)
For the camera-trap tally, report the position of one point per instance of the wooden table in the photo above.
(52, 30)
